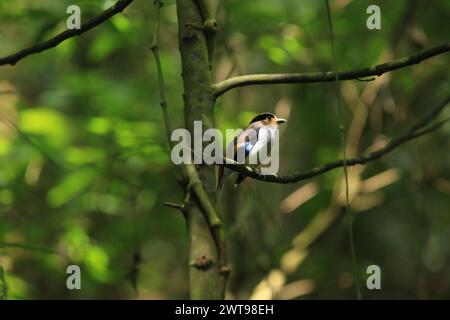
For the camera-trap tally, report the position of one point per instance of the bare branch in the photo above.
(311, 77)
(53, 42)
(162, 89)
(415, 131)
(174, 205)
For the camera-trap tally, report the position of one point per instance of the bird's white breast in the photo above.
(259, 153)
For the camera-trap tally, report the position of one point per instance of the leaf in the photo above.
(70, 187)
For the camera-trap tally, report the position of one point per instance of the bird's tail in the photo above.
(223, 174)
(239, 179)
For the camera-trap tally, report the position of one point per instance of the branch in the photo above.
(25, 246)
(53, 42)
(174, 205)
(162, 89)
(311, 77)
(414, 132)
(196, 185)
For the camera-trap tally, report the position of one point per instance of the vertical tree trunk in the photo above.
(204, 264)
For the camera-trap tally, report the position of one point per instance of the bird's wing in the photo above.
(264, 139)
(244, 143)
(241, 146)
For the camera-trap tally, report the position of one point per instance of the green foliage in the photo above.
(3, 285)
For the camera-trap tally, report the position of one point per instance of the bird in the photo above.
(247, 145)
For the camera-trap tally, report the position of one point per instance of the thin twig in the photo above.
(412, 133)
(25, 246)
(344, 155)
(174, 205)
(6, 92)
(162, 91)
(53, 42)
(45, 153)
(311, 77)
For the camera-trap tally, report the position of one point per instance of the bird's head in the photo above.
(266, 120)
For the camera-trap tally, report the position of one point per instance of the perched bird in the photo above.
(247, 145)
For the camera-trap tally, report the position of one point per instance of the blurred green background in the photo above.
(85, 168)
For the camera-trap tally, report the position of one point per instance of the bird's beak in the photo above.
(281, 120)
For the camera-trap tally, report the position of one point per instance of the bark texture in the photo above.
(204, 272)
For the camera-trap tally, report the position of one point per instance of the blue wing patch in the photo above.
(248, 147)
